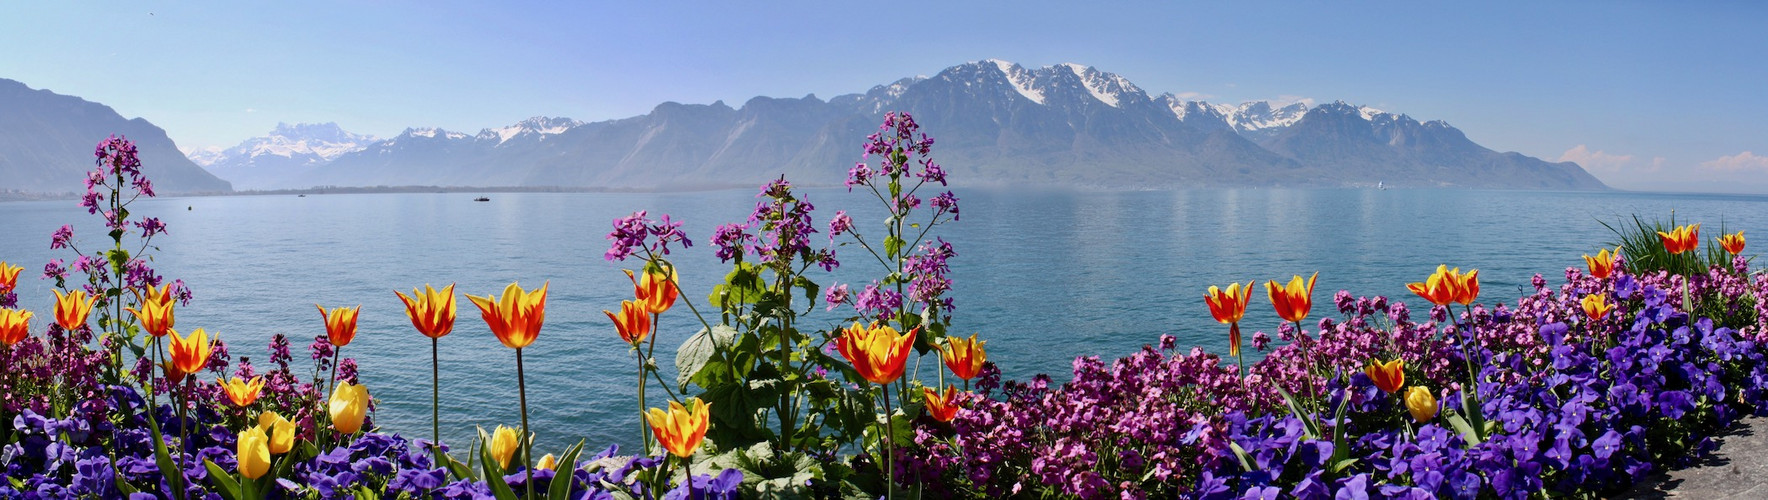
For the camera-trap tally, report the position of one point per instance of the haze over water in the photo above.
(1043, 276)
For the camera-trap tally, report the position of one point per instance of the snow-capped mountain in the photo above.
(996, 122)
(288, 152)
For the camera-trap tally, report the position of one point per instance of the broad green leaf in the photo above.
(494, 474)
(224, 482)
(893, 246)
(1460, 424)
(560, 489)
(1312, 430)
(1239, 453)
(163, 458)
(693, 354)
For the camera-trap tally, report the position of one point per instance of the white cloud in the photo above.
(1741, 162)
(1602, 161)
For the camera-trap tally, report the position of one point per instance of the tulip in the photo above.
(680, 430)
(340, 324)
(1389, 376)
(1466, 286)
(1732, 243)
(8, 277)
(547, 462)
(1421, 403)
(254, 453)
(516, 317)
(431, 312)
(1439, 288)
(155, 313)
(72, 308)
(15, 325)
(241, 392)
(1603, 264)
(1292, 301)
(942, 407)
(1596, 307)
(878, 353)
(280, 430)
(1681, 239)
(633, 323)
(655, 290)
(504, 444)
(347, 407)
(1229, 307)
(964, 357)
(191, 354)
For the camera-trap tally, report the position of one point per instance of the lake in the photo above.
(1044, 276)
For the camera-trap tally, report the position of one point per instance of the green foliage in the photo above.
(1645, 253)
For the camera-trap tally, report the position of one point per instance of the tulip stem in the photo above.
(183, 435)
(435, 396)
(644, 436)
(527, 441)
(889, 447)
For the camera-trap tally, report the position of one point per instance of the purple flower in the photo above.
(945, 203)
(836, 296)
(841, 223)
(637, 232)
(62, 237)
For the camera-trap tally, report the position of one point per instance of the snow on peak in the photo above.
(1369, 113)
(1259, 115)
(203, 156)
(540, 125)
(1022, 79)
(310, 143)
(433, 132)
(1108, 88)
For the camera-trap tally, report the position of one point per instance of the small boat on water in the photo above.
(300, 196)
(481, 198)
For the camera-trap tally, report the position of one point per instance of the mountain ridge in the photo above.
(47, 139)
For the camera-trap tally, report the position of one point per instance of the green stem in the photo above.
(435, 395)
(644, 435)
(527, 461)
(889, 447)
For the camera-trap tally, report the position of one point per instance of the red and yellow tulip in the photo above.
(679, 430)
(1681, 239)
(964, 357)
(656, 290)
(1466, 286)
(155, 313)
(1448, 286)
(1596, 306)
(340, 324)
(1294, 300)
(1603, 264)
(348, 406)
(1421, 403)
(633, 322)
(9, 277)
(1228, 307)
(190, 354)
(878, 353)
(72, 308)
(1389, 376)
(15, 325)
(1732, 243)
(431, 311)
(942, 407)
(241, 392)
(516, 317)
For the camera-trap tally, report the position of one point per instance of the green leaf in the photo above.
(494, 473)
(1239, 453)
(560, 489)
(698, 349)
(1467, 432)
(174, 476)
(224, 482)
(893, 246)
(1313, 431)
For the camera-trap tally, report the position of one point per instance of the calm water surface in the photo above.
(1044, 276)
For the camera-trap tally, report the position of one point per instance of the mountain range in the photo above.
(47, 141)
(995, 122)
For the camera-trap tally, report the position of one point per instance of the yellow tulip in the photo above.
(431, 312)
(340, 324)
(15, 325)
(964, 357)
(1389, 376)
(1294, 300)
(280, 430)
(633, 323)
(254, 453)
(680, 430)
(72, 308)
(241, 392)
(191, 354)
(504, 445)
(878, 353)
(516, 317)
(8, 277)
(1596, 306)
(943, 407)
(547, 462)
(1421, 403)
(1681, 239)
(155, 312)
(1603, 264)
(655, 290)
(1732, 243)
(348, 407)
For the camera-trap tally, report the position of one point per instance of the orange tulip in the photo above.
(1439, 288)
(1229, 306)
(942, 407)
(680, 430)
(190, 354)
(1603, 264)
(1732, 243)
(1292, 301)
(1596, 307)
(1681, 239)
(155, 313)
(241, 392)
(1389, 376)
(8, 277)
(633, 323)
(15, 325)
(431, 312)
(1466, 286)
(655, 290)
(71, 309)
(878, 353)
(964, 357)
(340, 324)
(515, 318)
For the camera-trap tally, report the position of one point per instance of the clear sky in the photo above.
(1646, 95)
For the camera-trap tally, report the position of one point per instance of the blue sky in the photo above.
(1645, 95)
